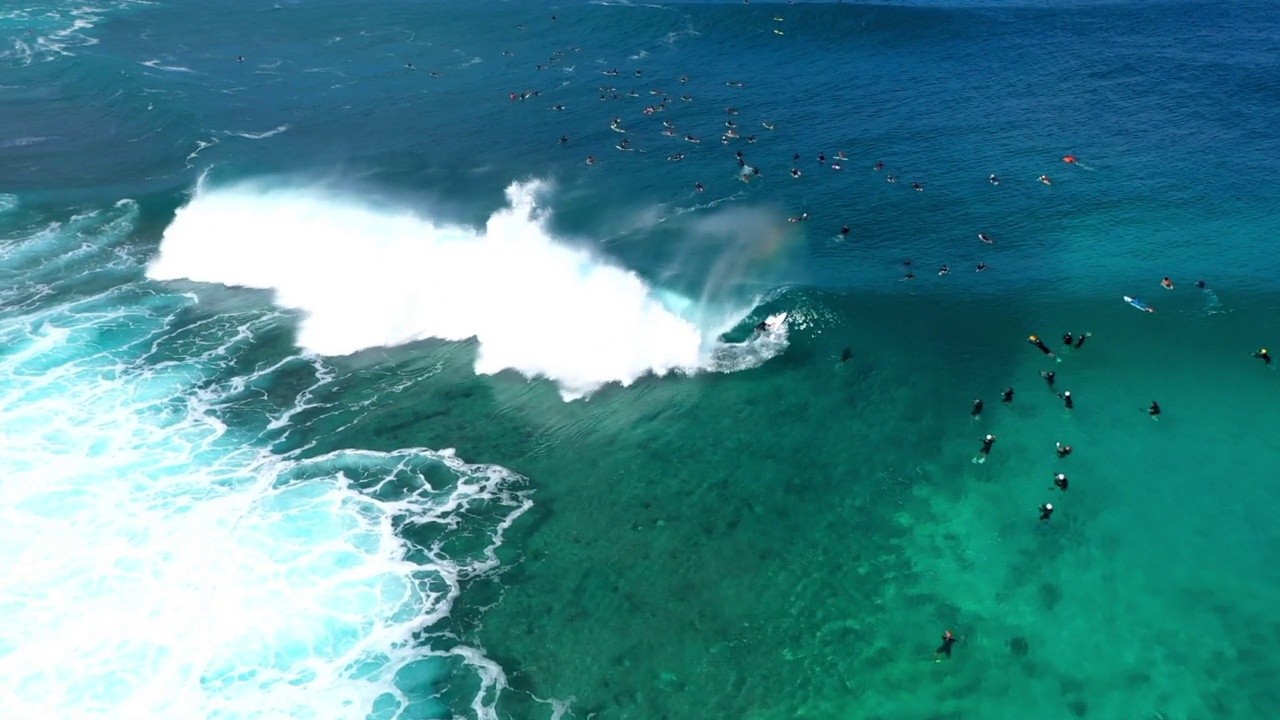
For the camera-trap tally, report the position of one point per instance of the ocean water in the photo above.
(335, 385)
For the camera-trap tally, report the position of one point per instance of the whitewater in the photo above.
(369, 275)
(161, 562)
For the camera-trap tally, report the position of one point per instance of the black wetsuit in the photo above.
(986, 445)
(945, 648)
(1067, 339)
(845, 355)
(1007, 395)
(1264, 356)
(1068, 401)
(1060, 481)
(1048, 376)
(762, 327)
(1064, 450)
(1045, 512)
(1040, 344)
(1080, 339)
(1154, 409)
(977, 408)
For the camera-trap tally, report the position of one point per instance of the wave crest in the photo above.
(368, 276)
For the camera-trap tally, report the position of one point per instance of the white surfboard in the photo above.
(773, 322)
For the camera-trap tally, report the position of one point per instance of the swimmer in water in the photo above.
(844, 231)
(1042, 347)
(795, 173)
(1006, 397)
(1063, 450)
(1045, 179)
(878, 166)
(1067, 339)
(1060, 482)
(993, 179)
(686, 98)
(795, 157)
(1166, 283)
(1067, 401)
(675, 158)
(977, 409)
(1081, 338)
(822, 158)
(692, 139)
(564, 139)
(945, 649)
(767, 125)
(698, 187)
(1200, 284)
(731, 111)
(980, 266)
(1046, 511)
(845, 355)
(751, 138)
(985, 238)
(917, 187)
(1154, 410)
(987, 442)
(835, 166)
(909, 276)
(801, 218)
(891, 178)
(944, 270)
(239, 58)
(1263, 355)
(1048, 376)
(591, 160)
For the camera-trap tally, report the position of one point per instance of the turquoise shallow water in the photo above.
(336, 387)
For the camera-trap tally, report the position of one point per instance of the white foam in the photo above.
(369, 276)
(159, 65)
(162, 564)
(259, 135)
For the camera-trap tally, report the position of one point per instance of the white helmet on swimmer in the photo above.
(1067, 393)
(1048, 506)
(991, 437)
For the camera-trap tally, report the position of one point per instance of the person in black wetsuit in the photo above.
(1066, 400)
(945, 648)
(1060, 481)
(1081, 338)
(1048, 376)
(1263, 355)
(1154, 410)
(845, 355)
(1006, 397)
(1063, 450)
(987, 442)
(1067, 339)
(1040, 344)
(977, 409)
(1046, 510)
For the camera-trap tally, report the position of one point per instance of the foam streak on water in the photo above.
(161, 563)
(369, 277)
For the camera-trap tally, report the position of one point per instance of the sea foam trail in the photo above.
(367, 276)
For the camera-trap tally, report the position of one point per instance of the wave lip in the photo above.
(368, 277)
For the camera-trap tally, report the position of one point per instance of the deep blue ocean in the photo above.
(401, 360)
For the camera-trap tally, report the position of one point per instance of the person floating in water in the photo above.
(844, 230)
(977, 409)
(1081, 338)
(1200, 284)
(564, 139)
(917, 187)
(945, 649)
(1046, 511)
(591, 160)
(1048, 376)
(1063, 450)
(980, 266)
(1041, 346)
(698, 187)
(1263, 355)
(987, 442)
(795, 173)
(1067, 339)
(1006, 397)
(993, 179)
(1154, 411)
(1166, 283)
(891, 178)
(944, 270)
(800, 218)
(878, 166)
(985, 238)
(1060, 481)
(846, 355)
(1045, 179)
(1067, 401)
